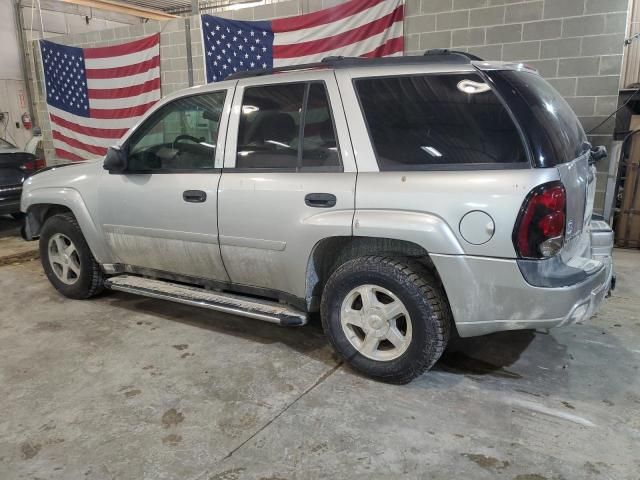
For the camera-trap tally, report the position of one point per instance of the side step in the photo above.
(265, 310)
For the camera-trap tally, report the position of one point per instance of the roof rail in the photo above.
(430, 56)
(445, 51)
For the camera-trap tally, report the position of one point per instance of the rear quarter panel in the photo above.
(442, 198)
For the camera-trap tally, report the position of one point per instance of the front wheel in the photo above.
(387, 317)
(67, 259)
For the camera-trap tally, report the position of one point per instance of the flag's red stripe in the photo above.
(78, 144)
(393, 45)
(340, 40)
(109, 93)
(122, 49)
(115, 133)
(120, 112)
(119, 72)
(60, 153)
(322, 17)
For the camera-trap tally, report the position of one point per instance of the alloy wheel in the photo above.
(64, 258)
(376, 322)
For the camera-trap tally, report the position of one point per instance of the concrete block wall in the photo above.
(577, 45)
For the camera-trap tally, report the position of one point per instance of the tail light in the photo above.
(33, 165)
(539, 230)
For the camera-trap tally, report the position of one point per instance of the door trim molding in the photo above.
(160, 233)
(259, 243)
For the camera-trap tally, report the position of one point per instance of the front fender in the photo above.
(70, 198)
(427, 230)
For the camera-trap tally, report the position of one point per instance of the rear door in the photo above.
(288, 179)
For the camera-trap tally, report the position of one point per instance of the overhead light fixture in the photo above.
(471, 87)
(240, 5)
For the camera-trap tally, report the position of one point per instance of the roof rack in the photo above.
(430, 56)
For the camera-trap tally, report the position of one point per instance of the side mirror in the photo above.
(115, 160)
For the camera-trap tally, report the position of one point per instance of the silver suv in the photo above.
(402, 198)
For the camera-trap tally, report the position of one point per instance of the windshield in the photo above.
(555, 133)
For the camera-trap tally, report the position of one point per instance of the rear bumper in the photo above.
(489, 295)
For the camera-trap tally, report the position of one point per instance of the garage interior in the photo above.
(127, 387)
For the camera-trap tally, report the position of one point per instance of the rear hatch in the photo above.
(15, 166)
(555, 139)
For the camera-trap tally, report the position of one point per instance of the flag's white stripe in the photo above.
(125, 102)
(122, 82)
(352, 50)
(330, 29)
(94, 122)
(77, 151)
(122, 60)
(89, 140)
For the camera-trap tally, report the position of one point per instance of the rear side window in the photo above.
(444, 121)
(555, 133)
(287, 126)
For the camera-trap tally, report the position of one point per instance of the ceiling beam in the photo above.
(124, 8)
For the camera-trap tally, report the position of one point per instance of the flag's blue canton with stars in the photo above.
(64, 75)
(235, 46)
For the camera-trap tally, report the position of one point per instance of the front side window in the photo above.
(287, 126)
(422, 122)
(182, 135)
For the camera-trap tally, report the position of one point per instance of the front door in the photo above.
(288, 181)
(161, 213)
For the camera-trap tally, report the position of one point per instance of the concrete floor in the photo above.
(13, 249)
(122, 387)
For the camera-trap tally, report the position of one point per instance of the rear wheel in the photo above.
(67, 259)
(387, 317)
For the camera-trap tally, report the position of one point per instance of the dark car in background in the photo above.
(15, 166)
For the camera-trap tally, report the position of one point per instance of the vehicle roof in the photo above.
(439, 60)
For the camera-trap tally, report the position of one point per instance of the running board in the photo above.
(265, 310)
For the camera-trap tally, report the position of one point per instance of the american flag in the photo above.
(95, 94)
(358, 28)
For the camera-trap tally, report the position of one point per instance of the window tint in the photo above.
(319, 146)
(546, 115)
(437, 121)
(181, 135)
(270, 126)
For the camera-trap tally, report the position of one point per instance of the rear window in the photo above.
(555, 133)
(443, 121)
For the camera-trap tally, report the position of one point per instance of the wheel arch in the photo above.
(43, 203)
(329, 253)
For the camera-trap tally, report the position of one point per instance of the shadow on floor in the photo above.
(309, 340)
(486, 355)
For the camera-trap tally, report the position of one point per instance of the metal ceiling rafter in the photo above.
(126, 8)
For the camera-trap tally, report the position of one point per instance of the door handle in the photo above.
(320, 200)
(194, 196)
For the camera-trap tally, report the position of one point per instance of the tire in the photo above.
(17, 215)
(423, 335)
(90, 280)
